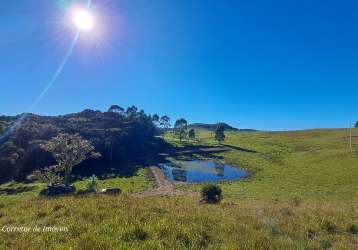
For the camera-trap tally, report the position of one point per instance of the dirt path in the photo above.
(162, 187)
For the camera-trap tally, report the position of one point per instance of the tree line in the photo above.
(119, 135)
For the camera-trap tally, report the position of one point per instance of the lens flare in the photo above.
(83, 19)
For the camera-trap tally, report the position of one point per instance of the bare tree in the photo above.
(69, 151)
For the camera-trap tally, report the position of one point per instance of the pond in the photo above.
(197, 171)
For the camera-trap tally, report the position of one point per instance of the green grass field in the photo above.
(303, 194)
(312, 165)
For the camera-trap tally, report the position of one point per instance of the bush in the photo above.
(353, 229)
(47, 175)
(92, 184)
(211, 193)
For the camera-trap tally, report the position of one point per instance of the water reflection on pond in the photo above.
(201, 171)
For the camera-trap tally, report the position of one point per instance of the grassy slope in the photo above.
(311, 165)
(303, 195)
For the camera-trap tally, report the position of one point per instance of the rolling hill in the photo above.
(212, 127)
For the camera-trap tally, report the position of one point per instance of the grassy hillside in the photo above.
(303, 194)
(211, 127)
(311, 164)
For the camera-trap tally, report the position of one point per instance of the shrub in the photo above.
(353, 229)
(211, 193)
(48, 175)
(92, 184)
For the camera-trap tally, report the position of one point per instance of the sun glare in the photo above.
(83, 20)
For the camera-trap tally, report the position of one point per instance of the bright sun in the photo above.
(83, 20)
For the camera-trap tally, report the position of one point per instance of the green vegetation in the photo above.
(302, 194)
(164, 122)
(92, 184)
(180, 128)
(212, 127)
(220, 133)
(211, 193)
(2, 127)
(191, 134)
(120, 136)
(116, 109)
(310, 165)
(140, 181)
(175, 223)
(68, 151)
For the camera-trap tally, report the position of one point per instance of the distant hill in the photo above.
(213, 127)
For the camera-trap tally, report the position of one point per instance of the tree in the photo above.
(191, 134)
(2, 128)
(180, 128)
(69, 151)
(164, 122)
(220, 133)
(48, 175)
(356, 124)
(155, 119)
(118, 137)
(116, 108)
(132, 111)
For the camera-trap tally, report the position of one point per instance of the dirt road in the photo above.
(162, 186)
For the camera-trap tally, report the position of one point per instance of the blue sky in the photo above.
(272, 65)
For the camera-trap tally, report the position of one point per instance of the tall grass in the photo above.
(102, 222)
(303, 194)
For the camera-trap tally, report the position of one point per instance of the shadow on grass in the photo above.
(157, 151)
(197, 151)
(107, 170)
(15, 190)
(192, 152)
